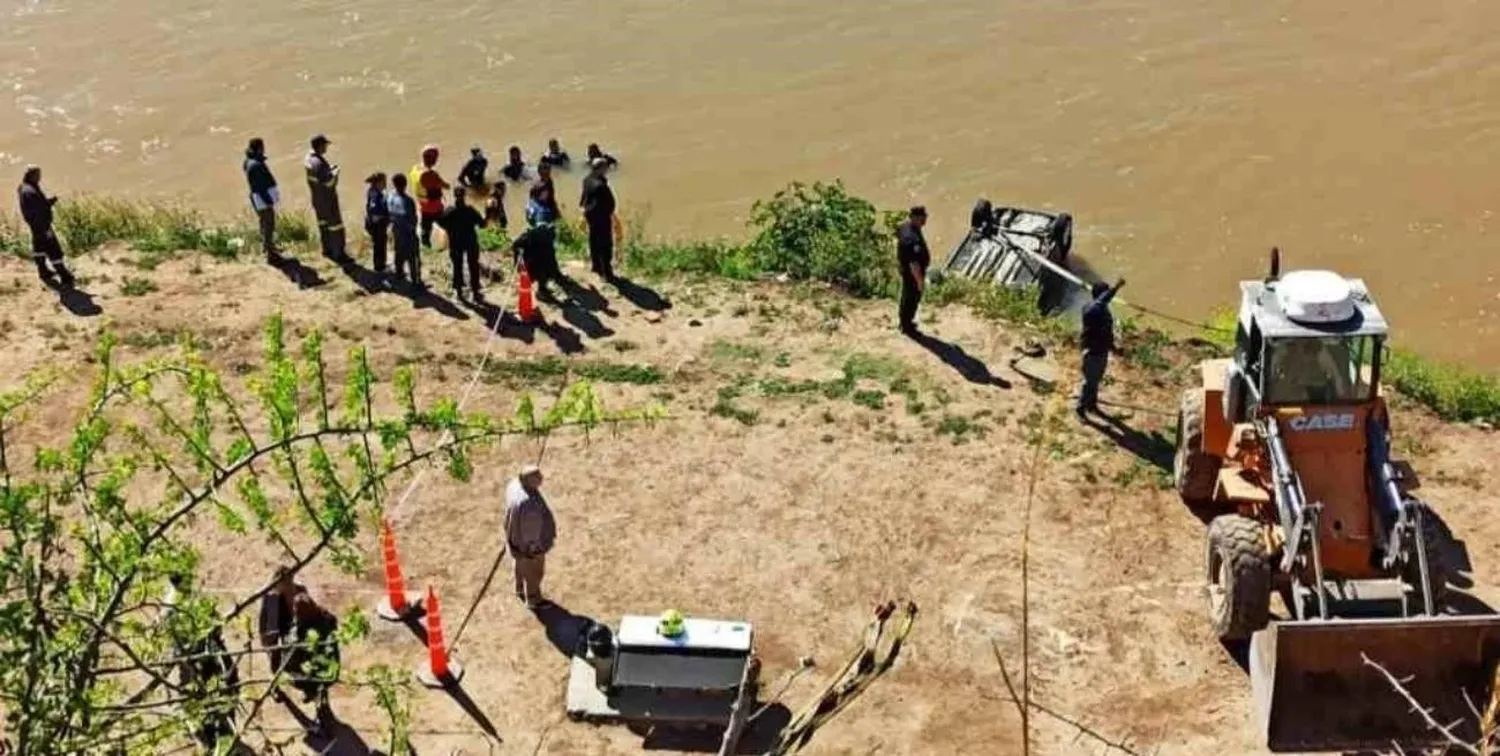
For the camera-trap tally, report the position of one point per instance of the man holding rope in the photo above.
(1098, 342)
(530, 531)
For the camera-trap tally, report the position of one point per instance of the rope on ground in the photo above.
(489, 346)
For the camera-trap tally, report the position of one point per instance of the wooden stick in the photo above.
(739, 714)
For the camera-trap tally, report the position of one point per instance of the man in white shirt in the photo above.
(530, 531)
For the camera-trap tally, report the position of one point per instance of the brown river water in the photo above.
(1186, 137)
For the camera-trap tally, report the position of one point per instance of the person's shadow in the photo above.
(643, 297)
(335, 739)
(971, 368)
(74, 300)
(1153, 448)
(299, 274)
(421, 297)
(565, 630)
(579, 308)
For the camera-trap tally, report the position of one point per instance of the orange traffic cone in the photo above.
(397, 605)
(526, 306)
(440, 671)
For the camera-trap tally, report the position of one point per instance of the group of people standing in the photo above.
(401, 211)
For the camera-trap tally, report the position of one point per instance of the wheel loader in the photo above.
(1286, 449)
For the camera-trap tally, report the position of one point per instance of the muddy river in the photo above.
(1187, 138)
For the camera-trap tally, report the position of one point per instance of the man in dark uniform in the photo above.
(36, 210)
(264, 196)
(1098, 341)
(462, 223)
(314, 665)
(207, 674)
(472, 174)
(598, 202)
(536, 248)
(276, 615)
(515, 166)
(323, 185)
(912, 259)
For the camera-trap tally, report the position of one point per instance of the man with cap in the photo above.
(264, 196)
(598, 202)
(912, 259)
(323, 185)
(472, 175)
(36, 211)
(530, 531)
(1098, 341)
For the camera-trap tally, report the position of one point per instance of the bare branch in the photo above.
(1417, 708)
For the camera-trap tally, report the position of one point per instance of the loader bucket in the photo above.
(1313, 691)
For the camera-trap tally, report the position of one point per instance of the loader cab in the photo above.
(1306, 339)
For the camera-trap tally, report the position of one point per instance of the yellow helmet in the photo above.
(672, 624)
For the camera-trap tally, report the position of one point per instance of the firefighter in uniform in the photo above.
(36, 210)
(323, 185)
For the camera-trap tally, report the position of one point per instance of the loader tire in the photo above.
(1194, 471)
(1239, 577)
(1435, 543)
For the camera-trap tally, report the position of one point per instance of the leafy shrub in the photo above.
(716, 258)
(822, 232)
(1453, 392)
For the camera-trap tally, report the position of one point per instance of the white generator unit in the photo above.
(640, 675)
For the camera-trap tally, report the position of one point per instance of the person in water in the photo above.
(515, 167)
(597, 154)
(472, 174)
(555, 156)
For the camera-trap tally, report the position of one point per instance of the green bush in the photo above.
(822, 232)
(292, 229)
(714, 258)
(1453, 392)
(13, 239)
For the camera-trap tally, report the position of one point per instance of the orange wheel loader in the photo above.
(1286, 446)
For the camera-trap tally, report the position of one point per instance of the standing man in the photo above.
(471, 176)
(313, 666)
(323, 185)
(598, 202)
(536, 248)
(912, 259)
(530, 531)
(264, 196)
(377, 218)
(1098, 342)
(462, 224)
(544, 195)
(276, 616)
(36, 210)
(429, 188)
(403, 212)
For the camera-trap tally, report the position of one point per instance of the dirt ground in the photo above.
(789, 509)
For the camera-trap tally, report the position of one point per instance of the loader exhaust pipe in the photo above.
(1313, 691)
